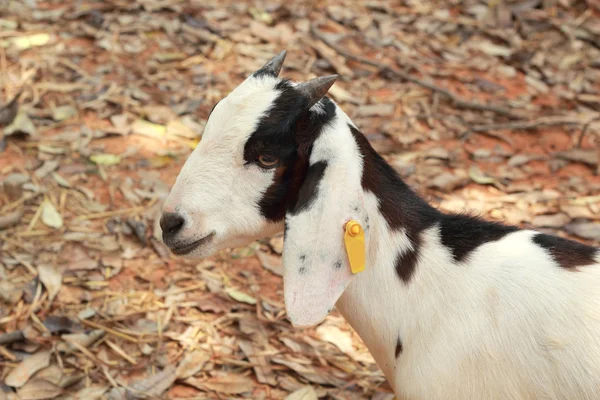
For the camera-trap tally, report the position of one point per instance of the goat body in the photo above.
(450, 306)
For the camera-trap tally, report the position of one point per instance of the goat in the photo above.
(450, 306)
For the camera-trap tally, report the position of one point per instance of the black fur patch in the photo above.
(569, 254)
(302, 270)
(463, 233)
(310, 187)
(303, 258)
(338, 264)
(398, 347)
(403, 208)
(398, 203)
(406, 261)
(286, 131)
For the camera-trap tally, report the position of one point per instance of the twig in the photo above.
(390, 71)
(523, 125)
(586, 126)
(109, 330)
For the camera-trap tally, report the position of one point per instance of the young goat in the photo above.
(450, 306)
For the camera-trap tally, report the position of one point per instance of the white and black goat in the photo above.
(450, 306)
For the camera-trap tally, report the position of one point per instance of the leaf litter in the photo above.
(485, 107)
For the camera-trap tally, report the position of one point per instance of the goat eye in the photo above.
(268, 161)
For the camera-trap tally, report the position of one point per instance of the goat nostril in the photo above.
(171, 223)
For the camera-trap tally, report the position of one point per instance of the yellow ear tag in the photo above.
(354, 239)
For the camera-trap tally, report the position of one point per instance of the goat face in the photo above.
(236, 185)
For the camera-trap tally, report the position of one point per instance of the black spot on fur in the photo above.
(309, 189)
(302, 258)
(569, 254)
(302, 270)
(407, 259)
(286, 131)
(463, 233)
(338, 264)
(398, 347)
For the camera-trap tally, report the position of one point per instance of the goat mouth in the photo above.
(188, 248)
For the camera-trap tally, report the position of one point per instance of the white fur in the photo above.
(317, 233)
(215, 190)
(508, 323)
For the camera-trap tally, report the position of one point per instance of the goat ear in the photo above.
(273, 66)
(315, 89)
(316, 266)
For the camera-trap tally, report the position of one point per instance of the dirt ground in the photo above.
(491, 107)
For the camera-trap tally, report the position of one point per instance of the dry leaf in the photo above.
(143, 127)
(334, 335)
(63, 112)
(229, 384)
(11, 219)
(39, 389)
(93, 392)
(27, 41)
(105, 159)
(306, 393)
(157, 384)
(240, 296)
(50, 216)
(479, 177)
(586, 230)
(261, 366)
(26, 368)
(51, 278)
(192, 363)
(21, 124)
(551, 221)
(271, 262)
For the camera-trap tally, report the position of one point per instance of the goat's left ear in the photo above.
(316, 266)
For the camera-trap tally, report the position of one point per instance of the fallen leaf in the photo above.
(63, 112)
(447, 182)
(13, 185)
(192, 363)
(21, 124)
(105, 159)
(306, 393)
(51, 278)
(46, 168)
(479, 177)
(83, 339)
(27, 41)
(8, 112)
(59, 324)
(240, 296)
(586, 156)
(262, 368)
(50, 216)
(376, 110)
(11, 219)
(334, 335)
(39, 389)
(271, 262)
(229, 384)
(143, 127)
(156, 384)
(585, 230)
(26, 368)
(551, 221)
(93, 392)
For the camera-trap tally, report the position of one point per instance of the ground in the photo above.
(490, 107)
